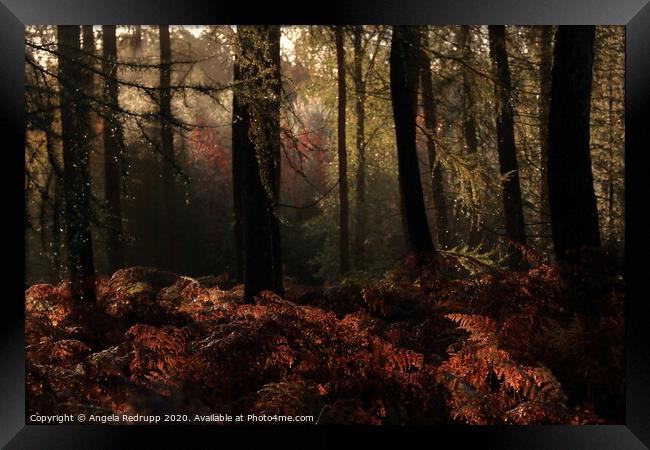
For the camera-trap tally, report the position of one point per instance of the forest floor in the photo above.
(412, 347)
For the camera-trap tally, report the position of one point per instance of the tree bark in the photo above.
(167, 148)
(469, 119)
(360, 108)
(546, 61)
(512, 205)
(240, 126)
(435, 169)
(344, 235)
(403, 85)
(611, 237)
(256, 145)
(76, 176)
(574, 214)
(112, 151)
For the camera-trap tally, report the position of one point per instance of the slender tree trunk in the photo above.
(360, 108)
(512, 205)
(344, 235)
(435, 169)
(546, 61)
(88, 47)
(610, 163)
(574, 215)
(58, 217)
(469, 117)
(275, 35)
(257, 150)
(240, 125)
(137, 37)
(76, 176)
(112, 151)
(167, 148)
(404, 87)
(59, 265)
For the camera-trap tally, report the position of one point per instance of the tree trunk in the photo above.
(435, 169)
(512, 205)
(574, 215)
(76, 177)
(167, 148)
(403, 86)
(360, 108)
(112, 151)
(611, 236)
(240, 125)
(275, 35)
(344, 235)
(469, 118)
(546, 61)
(257, 150)
(58, 201)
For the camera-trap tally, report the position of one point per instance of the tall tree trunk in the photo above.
(344, 235)
(240, 125)
(137, 38)
(88, 47)
(360, 108)
(546, 61)
(57, 201)
(435, 168)
(167, 148)
(257, 148)
(403, 86)
(76, 176)
(273, 133)
(574, 215)
(611, 236)
(469, 116)
(112, 151)
(512, 205)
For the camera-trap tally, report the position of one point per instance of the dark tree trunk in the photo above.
(59, 264)
(512, 206)
(257, 150)
(273, 133)
(360, 108)
(435, 169)
(574, 215)
(469, 117)
(137, 38)
(167, 148)
(404, 88)
(88, 47)
(611, 236)
(344, 235)
(76, 176)
(546, 62)
(112, 151)
(240, 125)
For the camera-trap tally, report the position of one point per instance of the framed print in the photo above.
(415, 217)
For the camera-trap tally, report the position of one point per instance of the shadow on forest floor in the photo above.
(503, 347)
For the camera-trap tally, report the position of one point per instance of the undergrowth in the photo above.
(418, 346)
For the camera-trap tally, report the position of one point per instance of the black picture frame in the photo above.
(634, 14)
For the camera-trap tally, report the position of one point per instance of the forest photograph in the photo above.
(324, 225)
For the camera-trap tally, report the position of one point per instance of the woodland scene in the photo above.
(354, 224)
